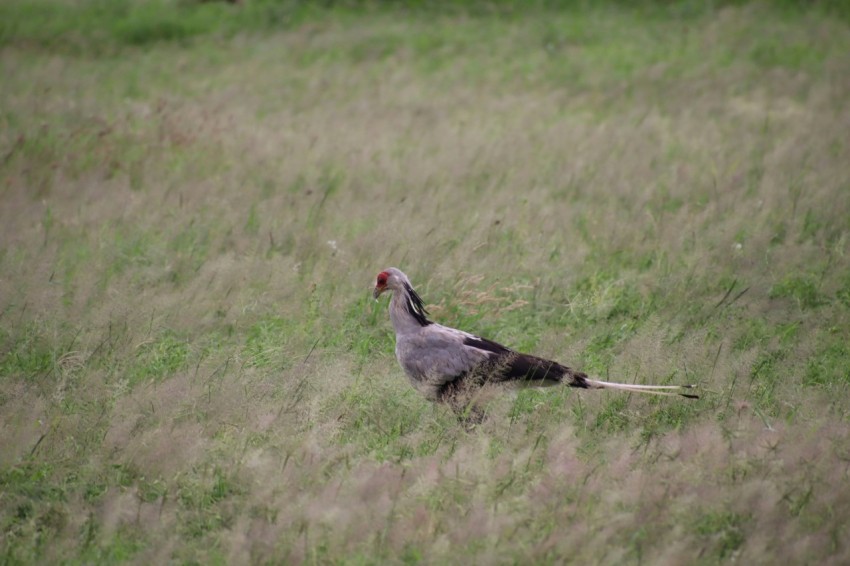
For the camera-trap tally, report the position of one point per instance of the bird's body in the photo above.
(441, 362)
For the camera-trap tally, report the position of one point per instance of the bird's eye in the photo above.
(382, 279)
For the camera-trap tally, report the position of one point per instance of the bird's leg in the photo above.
(460, 396)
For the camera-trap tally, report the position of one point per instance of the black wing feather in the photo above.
(487, 345)
(505, 364)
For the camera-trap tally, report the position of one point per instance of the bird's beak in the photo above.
(378, 290)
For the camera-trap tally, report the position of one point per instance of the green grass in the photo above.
(197, 197)
(724, 530)
(158, 358)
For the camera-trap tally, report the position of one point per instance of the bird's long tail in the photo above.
(580, 380)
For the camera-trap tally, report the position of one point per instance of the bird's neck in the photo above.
(407, 312)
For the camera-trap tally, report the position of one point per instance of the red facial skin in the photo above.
(380, 284)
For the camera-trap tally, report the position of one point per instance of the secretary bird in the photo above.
(443, 362)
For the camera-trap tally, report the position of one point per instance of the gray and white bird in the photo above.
(441, 362)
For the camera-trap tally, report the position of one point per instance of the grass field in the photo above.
(196, 200)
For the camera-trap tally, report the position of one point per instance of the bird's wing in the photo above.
(438, 355)
(454, 354)
(509, 365)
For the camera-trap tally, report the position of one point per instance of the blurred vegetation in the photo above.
(196, 196)
(101, 26)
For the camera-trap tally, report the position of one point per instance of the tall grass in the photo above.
(192, 368)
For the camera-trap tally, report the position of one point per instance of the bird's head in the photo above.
(391, 279)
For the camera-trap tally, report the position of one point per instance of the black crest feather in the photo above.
(416, 307)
